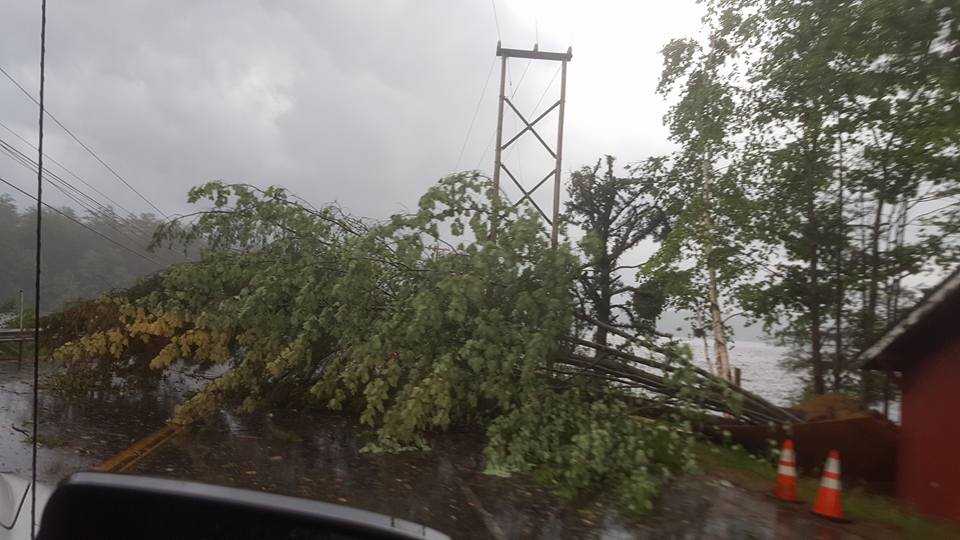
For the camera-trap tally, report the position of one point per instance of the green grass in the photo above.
(860, 505)
(756, 474)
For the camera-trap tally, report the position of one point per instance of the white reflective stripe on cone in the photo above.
(786, 455)
(786, 470)
(830, 483)
(833, 466)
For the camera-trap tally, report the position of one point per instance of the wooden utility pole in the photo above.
(557, 155)
(557, 169)
(719, 335)
(499, 151)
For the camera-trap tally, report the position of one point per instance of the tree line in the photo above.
(79, 261)
(817, 172)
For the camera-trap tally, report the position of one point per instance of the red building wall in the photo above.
(929, 452)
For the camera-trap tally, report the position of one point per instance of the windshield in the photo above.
(503, 269)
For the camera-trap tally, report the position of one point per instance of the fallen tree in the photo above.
(413, 332)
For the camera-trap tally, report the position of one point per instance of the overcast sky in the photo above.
(365, 103)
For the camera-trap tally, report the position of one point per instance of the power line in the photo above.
(56, 181)
(544, 94)
(32, 166)
(84, 145)
(549, 86)
(84, 225)
(496, 19)
(516, 123)
(520, 81)
(92, 212)
(104, 211)
(75, 175)
(475, 113)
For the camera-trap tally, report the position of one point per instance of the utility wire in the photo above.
(536, 107)
(84, 225)
(516, 123)
(32, 166)
(522, 75)
(80, 203)
(84, 145)
(496, 19)
(475, 113)
(132, 215)
(102, 211)
(513, 93)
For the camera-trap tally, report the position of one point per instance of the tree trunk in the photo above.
(870, 312)
(716, 315)
(816, 356)
(838, 358)
(706, 343)
(603, 305)
(813, 297)
(838, 276)
(719, 334)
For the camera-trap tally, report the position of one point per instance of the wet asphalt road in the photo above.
(319, 456)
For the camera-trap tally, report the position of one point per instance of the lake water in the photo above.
(760, 370)
(762, 374)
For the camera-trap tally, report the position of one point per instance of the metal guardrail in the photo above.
(15, 334)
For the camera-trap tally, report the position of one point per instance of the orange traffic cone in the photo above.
(828, 503)
(786, 489)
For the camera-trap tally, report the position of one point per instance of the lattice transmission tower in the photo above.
(556, 154)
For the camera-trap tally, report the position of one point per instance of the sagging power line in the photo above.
(476, 112)
(87, 148)
(98, 209)
(73, 174)
(82, 224)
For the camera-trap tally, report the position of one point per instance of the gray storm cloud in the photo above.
(365, 103)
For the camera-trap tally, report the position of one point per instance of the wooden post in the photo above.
(499, 150)
(20, 343)
(558, 169)
(736, 376)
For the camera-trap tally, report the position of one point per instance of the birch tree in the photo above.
(704, 256)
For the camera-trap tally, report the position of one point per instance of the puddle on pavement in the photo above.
(321, 459)
(74, 435)
(444, 488)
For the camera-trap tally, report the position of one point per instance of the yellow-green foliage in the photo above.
(312, 306)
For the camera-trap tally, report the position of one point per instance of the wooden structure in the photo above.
(557, 154)
(924, 349)
(867, 445)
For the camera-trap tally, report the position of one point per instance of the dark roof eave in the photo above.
(878, 356)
